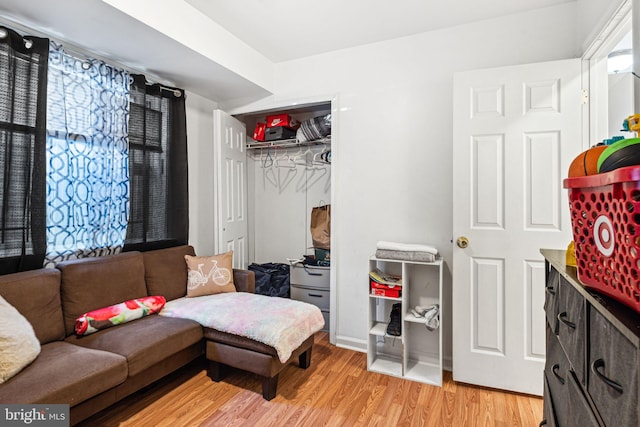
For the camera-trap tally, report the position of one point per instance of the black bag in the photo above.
(272, 279)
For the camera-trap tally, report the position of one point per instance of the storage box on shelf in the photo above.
(417, 353)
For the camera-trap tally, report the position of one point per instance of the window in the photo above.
(158, 167)
(23, 76)
(90, 158)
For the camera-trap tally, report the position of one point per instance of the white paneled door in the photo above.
(230, 187)
(516, 129)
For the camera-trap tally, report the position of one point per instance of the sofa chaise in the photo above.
(94, 371)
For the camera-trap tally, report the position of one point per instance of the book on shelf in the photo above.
(385, 278)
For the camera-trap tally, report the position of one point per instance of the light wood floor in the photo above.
(337, 390)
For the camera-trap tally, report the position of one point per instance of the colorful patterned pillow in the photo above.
(127, 311)
(208, 275)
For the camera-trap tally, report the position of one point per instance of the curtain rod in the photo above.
(83, 53)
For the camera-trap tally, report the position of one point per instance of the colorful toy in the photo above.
(631, 123)
(586, 163)
(620, 154)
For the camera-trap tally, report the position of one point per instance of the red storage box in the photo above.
(605, 219)
(392, 291)
(285, 120)
(258, 133)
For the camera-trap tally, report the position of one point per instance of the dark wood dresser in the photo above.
(592, 356)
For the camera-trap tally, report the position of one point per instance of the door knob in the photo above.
(462, 242)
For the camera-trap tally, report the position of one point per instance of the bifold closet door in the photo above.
(230, 187)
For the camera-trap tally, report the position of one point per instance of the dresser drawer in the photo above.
(557, 373)
(319, 298)
(613, 372)
(314, 277)
(572, 326)
(580, 413)
(551, 299)
(549, 417)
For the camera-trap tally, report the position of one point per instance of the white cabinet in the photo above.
(417, 353)
(311, 284)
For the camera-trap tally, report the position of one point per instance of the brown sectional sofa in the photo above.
(92, 372)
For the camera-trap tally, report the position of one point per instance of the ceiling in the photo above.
(280, 30)
(289, 29)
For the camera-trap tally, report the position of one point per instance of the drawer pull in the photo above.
(595, 367)
(315, 295)
(309, 272)
(563, 318)
(555, 369)
(550, 291)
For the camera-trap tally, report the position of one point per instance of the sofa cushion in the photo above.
(18, 343)
(127, 311)
(238, 341)
(144, 342)
(91, 283)
(210, 275)
(165, 271)
(65, 373)
(244, 281)
(36, 295)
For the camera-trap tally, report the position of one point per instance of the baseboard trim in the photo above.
(351, 344)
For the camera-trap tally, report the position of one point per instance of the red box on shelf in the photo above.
(391, 291)
(284, 120)
(258, 133)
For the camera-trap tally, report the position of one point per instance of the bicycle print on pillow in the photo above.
(209, 275)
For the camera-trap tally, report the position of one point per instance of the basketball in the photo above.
(620, 154)
(586, 163)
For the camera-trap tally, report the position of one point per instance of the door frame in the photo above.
(594, 67)
(271, 105)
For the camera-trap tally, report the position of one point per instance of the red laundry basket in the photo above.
(605, 218)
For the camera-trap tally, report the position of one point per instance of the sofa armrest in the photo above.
(244, 280)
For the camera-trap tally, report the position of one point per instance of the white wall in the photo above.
(394, 158)
(199, 112)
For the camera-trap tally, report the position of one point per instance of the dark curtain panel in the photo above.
(23, 99)
(159, 200)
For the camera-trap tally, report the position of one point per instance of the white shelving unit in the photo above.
(252, 144)
(417, 353)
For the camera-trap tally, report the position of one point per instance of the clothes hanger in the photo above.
(285, 161)
(267, 162)
(303, 156)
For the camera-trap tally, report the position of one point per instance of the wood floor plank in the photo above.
(336, 390)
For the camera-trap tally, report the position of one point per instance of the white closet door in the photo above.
(516, 129)
(230, 187)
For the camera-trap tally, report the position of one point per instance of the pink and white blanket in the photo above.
(281, 323)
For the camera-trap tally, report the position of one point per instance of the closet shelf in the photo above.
(285, 143)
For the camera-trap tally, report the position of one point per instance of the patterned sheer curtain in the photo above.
(23, 97)
(87, 157)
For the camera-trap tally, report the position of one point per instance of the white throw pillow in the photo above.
(19, 345)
